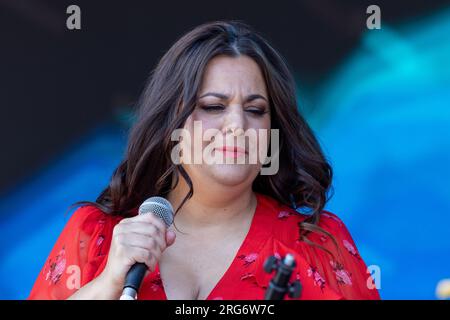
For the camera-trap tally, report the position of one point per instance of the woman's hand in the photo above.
(139, 239)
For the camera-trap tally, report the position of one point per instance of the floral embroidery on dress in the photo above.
(247, 275)
(54, 269)
(248, 259)
(318, 279)
(259, 283)
(282, 215)
(99, 243)
(156, 282)
(351, 249)
(342, 275)
(99, 240)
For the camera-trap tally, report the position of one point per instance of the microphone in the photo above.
(161, 208)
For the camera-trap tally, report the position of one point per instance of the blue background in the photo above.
(383, 119)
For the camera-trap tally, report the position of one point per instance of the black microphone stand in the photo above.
(279, 286)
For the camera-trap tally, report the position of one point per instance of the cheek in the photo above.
(211, 129)
(260, 125)
(193, 145)
(208, 122)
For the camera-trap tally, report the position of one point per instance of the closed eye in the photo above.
(256, 111)
(211, 108)
(216, 108)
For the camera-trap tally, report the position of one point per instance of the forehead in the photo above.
(232, 75)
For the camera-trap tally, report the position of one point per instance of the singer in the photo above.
(229, 217)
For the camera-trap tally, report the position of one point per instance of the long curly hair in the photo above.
(304, 176)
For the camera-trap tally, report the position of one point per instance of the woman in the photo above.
(230, 217)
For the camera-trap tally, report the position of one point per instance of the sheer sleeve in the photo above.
(76, 256)
(338, 264)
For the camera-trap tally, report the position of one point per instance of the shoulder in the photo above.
(89, 218)
(335, 227)
(330, 221)
(286, 223)
(279, 219)
(83, 244)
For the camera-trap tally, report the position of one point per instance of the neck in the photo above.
(212, 207)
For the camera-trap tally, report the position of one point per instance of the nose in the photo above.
(234, 121)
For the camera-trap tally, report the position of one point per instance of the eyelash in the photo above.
(212, 108)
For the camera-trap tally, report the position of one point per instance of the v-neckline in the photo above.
(249, 236)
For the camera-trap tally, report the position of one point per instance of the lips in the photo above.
(231, 149)
(232, 152)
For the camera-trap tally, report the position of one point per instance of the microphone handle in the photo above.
(133, 281)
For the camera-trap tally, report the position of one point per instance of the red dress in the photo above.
(80, 255)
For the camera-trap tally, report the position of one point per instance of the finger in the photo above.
(159, 240)
(139, 255)
(149, 217)
(147, 229)
(153, 256)
(140, 241)
(170, 237)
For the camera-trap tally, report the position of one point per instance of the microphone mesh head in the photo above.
(160, 207)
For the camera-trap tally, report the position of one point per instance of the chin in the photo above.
(232, 174)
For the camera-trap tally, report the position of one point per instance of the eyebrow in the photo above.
(222, 96)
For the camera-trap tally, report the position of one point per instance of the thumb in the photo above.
(170, 237)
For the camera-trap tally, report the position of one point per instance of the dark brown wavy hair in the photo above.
(170, 96)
